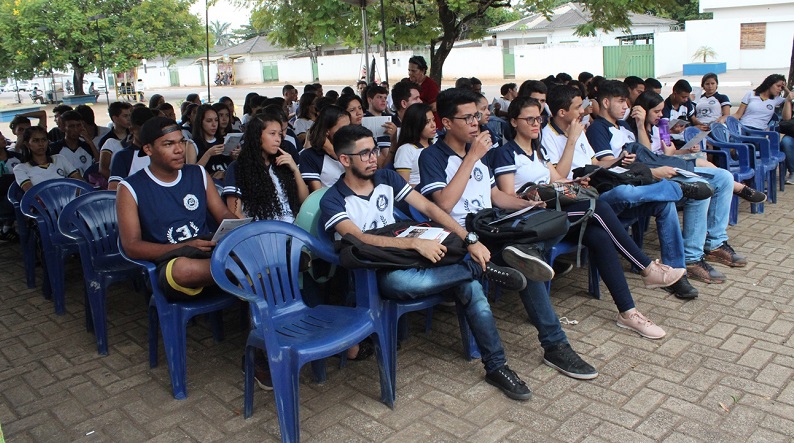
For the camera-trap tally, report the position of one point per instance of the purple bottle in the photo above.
(664, 130)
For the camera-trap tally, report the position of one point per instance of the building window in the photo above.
(753, 36)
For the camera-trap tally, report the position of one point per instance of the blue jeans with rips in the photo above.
(657, 200)
(706, 221)
(461, 278)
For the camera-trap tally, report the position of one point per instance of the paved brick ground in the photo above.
(723, 373)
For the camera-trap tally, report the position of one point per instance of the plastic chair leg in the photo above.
(216, 319)
(733, 217)
(96, 306)
(28, 242)
(318, 370)
(174, 343)
(390, 321)
(248, 401)
(154, 324)
(55, 270)
(382, 354)
(89, 322)
(285, 388)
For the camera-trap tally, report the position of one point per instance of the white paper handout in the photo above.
(696, 139)
(686, 173)
(677, 121)
(375, 124)
(231, 142)
(228, 225)
(425, 232)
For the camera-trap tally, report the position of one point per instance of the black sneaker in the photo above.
(508, 278)
(561, 268)
(751, 195)
(696, 190)
(510, 383)
(682, 289)
(261, 371)
(529, 260)
(564, 359)
(702, 271)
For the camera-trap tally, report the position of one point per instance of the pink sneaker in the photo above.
(660, 275)
(641, 325)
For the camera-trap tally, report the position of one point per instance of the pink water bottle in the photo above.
(664, 130)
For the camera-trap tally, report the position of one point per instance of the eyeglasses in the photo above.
(366, 154)
(531, 120)
(469, 119)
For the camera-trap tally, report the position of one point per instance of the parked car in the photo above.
(98, 83)
(24, 85)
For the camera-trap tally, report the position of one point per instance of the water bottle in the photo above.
(664, 130)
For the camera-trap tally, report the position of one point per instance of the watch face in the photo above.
(471, 238)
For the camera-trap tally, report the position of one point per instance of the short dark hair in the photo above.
(419, 61)
(463, 83)
(115, 109)
(584, 76)
(286, 88)
(275, 111)
(140, 116)
(332, 95)
(563, 77)
(561, 97)
(309, 89)
(402, 91)
(475, 81)
(374, 90)
(531, 86)
(347, 136)
(71, 116)
(165, 107)
(192, 97)
(87, 113)
(612, 89)
(347, 90)
(60, 109)
(682, 86)
(633, 81)
(652, 83)
(507, 87)
(17, 120)
(448, 101)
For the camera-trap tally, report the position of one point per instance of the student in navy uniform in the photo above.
(210, 145)
(454, 178)
(288, 141)
(712, 106)
(117, 138)
(678, 105)
(80, 153)
(405, 94)
(318, 163)
(8, 159)
(132, 158)
(56, 133)
(37, 164)
(363, 199)
(264, 182)
(355, 107)
(162, 212)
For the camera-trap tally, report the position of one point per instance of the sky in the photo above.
(223, 11)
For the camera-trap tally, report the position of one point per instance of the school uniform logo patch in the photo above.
(770, 107)
(477, 174)
(191, 202)
(61, 172)
(83, 159)
(382, 203)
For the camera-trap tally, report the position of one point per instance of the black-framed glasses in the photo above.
(531, 120)
(366, 154)
(469, 118)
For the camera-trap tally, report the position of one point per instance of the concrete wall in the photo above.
(724, 37)
(248, 72)
(538, 61)
(295, 70)
(720, 7)
(670, 52)
(483, 63)
(155, 77)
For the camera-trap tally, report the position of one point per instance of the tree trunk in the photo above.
(791, 68)
(448, 20)
(78, 79)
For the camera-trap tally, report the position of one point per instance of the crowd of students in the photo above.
(445, 153)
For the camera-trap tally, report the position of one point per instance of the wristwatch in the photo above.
(471, 238)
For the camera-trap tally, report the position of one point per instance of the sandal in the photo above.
(365, 350)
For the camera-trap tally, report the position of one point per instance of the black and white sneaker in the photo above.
(507, 278)
(564, 359)
(696, 190)
(529, 260)
(682, 289)
(510, 383)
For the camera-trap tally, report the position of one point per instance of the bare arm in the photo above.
(740, 112)
(105, 157)
(447, 197)
(574, 131)
(41, 115)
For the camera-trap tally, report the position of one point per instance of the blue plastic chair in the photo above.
(259, 263)
(44, 203)
(737, 129)
(91, 218)
(172, 318)
(763, 155)
(26, 240)
(719, 133)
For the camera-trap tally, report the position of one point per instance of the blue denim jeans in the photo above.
(787, 146)
(461, 278)
(657, 200)
(706, 221)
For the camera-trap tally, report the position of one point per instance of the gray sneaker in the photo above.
(529, 260)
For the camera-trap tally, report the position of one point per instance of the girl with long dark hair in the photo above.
(416, 133)
(307, 114)
(759, 105)
(318, 163)
(209, 144)
(37, 164)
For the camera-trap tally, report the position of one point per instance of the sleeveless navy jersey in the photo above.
(170, 212)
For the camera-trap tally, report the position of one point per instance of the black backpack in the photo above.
(604, 180)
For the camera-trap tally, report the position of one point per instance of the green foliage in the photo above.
(704, 52)
(680, 11)
(219, 34)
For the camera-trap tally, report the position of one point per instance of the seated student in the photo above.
(37, 164)
(319, 166)
(8, 160)
(376, 101)
(277, 197)
(132, 158)
(536, 89)
(454, 178)
(117, 138)
(636, 87)
(405, 94)
(162, 213)
(307, 114)
(288, 141)
(651, 84)
(417, 132)
(210, 145)
(566, 151)
(351, 205)
(678, 105)
(80, 153)
(500, 104)
(355, 107)
(21, 122)
(224, 120)
(522, 161)
(56, 133)
(712, 106)
(758, 106)
(485, 122)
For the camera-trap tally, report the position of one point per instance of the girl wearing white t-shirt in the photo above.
(759, 105)
(416, 133)
(37, 165)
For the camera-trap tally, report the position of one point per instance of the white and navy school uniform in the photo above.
(111, 135)
(438, 164)
(231, 188)
(217, 162)
(608, 139)
(407, 159)
(759, 112)
(684, 112)
(709, 109)
(58, 168)
(316, 165)
(12, 159)
(511, 159)
(113, 146)
(81, 158)
(553, 139)
(372, 211)
(170, 212)
(127, 162)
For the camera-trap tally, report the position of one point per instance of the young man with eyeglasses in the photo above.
(454, 177)
(363, 199)
(162, 212)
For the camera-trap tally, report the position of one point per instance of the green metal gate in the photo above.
(174, 76)
(623, 61)
(315, 71)
(270, 71)
(508, 63)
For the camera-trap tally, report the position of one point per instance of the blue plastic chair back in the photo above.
(27, 241)
(719, 132)
(690, 132)
(733, 125)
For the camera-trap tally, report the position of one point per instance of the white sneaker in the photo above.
(790, 179)
(641, 325)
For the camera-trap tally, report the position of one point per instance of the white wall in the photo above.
(155, 77)
(248, 72)
(295, 70)
(483, 63)
(538, 61)
(720, 7)
(723, 36)
(191, 75)
(670, 52)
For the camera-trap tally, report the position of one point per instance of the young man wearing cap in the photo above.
(162, 212)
